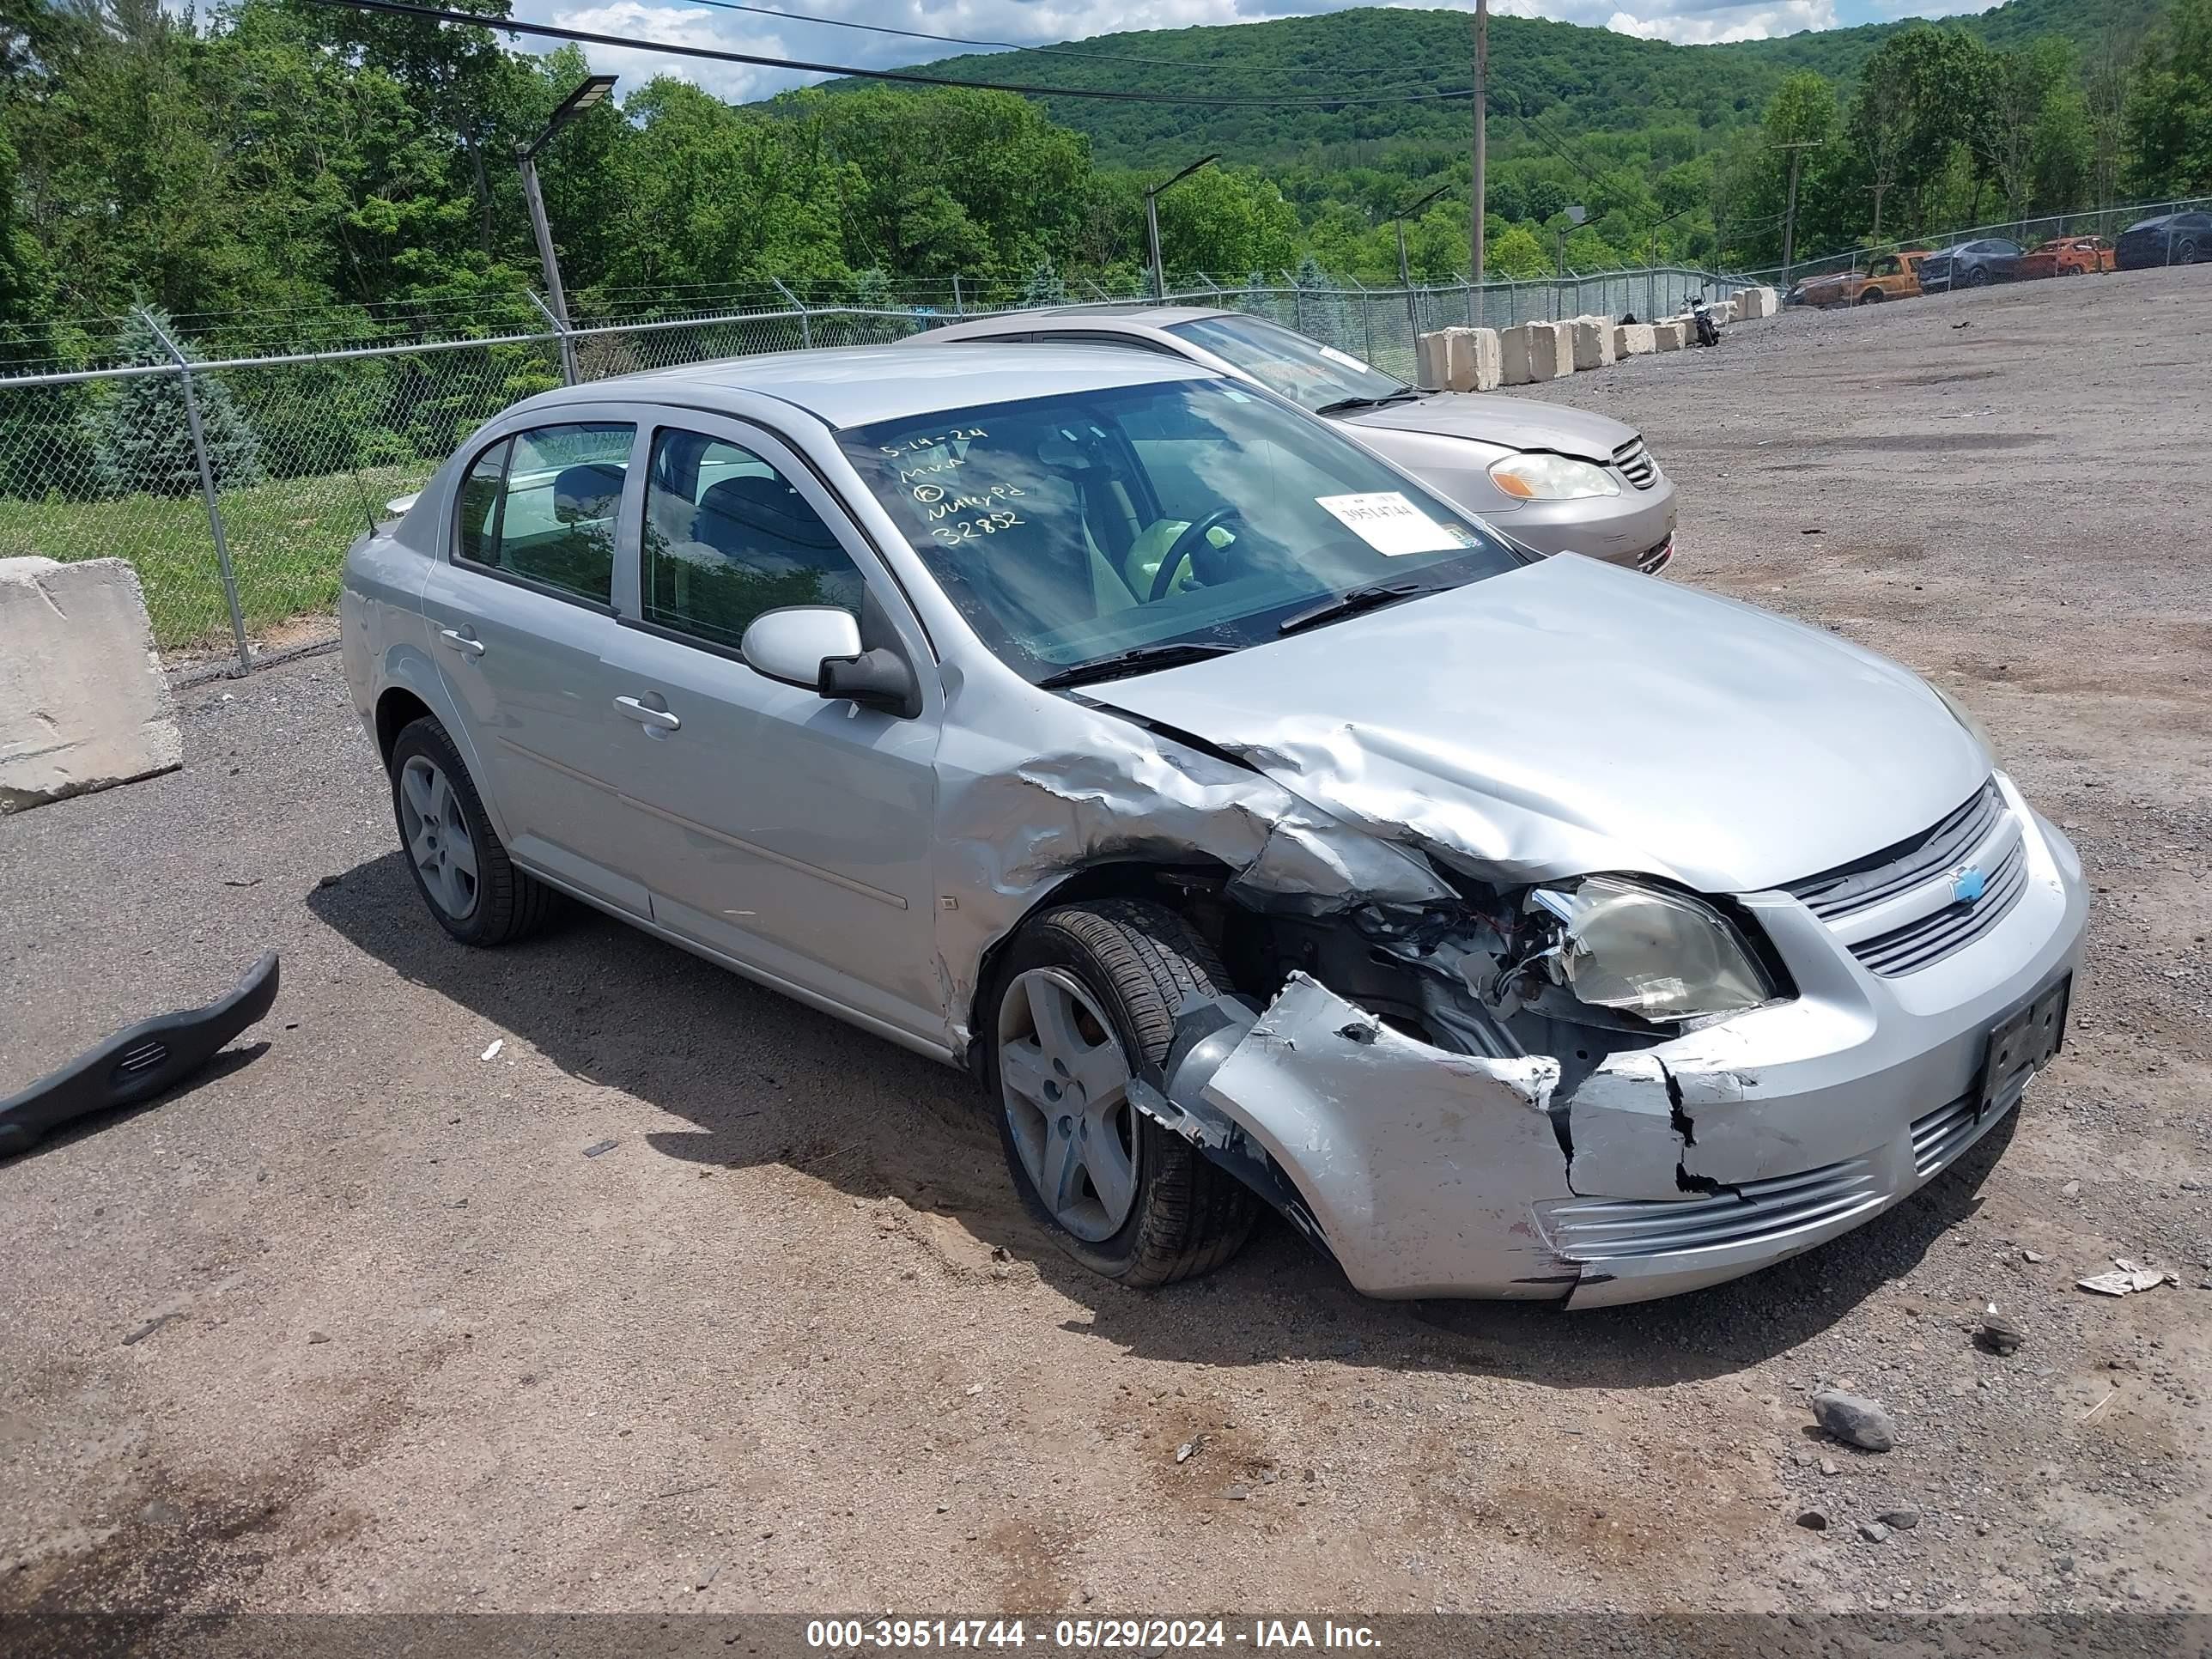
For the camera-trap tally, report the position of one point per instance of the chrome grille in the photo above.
(1635, 465)
(1949, 1130)
(1942, 1135)
(1599, 1229)
(1869, 881)
(1925, 942)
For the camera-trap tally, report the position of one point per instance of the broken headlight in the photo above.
(1647, 952)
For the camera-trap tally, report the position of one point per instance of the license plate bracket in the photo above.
(2022, 1044)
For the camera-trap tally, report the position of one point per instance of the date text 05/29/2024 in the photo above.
(1086, 1635)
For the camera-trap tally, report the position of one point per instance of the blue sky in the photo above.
(1041, 22)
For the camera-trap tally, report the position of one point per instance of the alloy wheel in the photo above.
(1064, 1081)
(437, 836)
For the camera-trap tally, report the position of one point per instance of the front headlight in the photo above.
(1964, 716)
(1660, 955)
(1537, 477)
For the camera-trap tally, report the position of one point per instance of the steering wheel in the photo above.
(1184, 547)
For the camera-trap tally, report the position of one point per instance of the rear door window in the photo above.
(541, 507)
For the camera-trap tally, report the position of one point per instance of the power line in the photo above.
(1069, 50)
(908, 77)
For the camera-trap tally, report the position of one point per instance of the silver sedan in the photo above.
(1260, 829)
(1560, 479)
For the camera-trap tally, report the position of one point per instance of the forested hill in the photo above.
(1605, 81)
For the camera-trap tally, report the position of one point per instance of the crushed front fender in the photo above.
(1417, 1166)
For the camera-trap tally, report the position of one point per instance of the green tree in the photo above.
(2169, 111)
(1043, 286)
(142, 435)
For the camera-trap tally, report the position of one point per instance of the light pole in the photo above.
(1152, 194)
(1576, 216)
(593, 91)
(1405, 270)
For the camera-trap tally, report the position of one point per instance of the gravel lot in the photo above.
(358, 1323)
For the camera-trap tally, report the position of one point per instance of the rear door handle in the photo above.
(461, 643)
(645, 714)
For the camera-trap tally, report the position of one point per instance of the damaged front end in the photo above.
(1465, 1066)
(1430, 1083)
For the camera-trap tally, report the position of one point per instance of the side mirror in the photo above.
(880, 678)
(788, 645)
(818, 647)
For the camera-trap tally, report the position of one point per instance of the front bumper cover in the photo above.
(1427, 1172)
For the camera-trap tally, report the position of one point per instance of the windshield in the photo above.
(1305, 371)
(1075, 529)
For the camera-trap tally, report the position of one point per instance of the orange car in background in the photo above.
(1887, 276)
(2068, 256)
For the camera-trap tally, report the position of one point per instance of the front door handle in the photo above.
(462, 642)
(646, 714)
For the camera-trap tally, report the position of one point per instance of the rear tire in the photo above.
(2187, 256)
(1872, 296)
(459, 866)
(1087, 997)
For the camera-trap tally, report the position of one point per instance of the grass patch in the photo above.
(287, 540)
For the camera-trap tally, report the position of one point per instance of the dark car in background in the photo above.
(1971, 264)
(2171, 238)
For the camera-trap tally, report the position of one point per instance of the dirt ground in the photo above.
(360, 1323)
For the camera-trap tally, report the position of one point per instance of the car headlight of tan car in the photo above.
(1541, 477)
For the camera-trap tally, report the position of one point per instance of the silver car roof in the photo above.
(1075, 316)
(858, 386)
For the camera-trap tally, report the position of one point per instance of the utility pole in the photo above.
(1790, 219)
(1480, 194)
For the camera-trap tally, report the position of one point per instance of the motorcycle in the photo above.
(1705, 329)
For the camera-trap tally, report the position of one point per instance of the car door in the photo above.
(523, 607)
(789, 833)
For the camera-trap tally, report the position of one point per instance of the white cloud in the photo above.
(1701, 25)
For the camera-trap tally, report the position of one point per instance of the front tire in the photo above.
(459, 866)
(1087, 997)
(2188, 254)
(1979, 276)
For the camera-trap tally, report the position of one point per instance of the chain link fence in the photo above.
(236, 482)
(2108, 223)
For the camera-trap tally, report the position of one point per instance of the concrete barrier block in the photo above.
(1592, 338)
(1753, 303)
(1535, 351)
(83, 702)
(1431, 368)
(1474, 362)
(1630, 340)
(1669, 336)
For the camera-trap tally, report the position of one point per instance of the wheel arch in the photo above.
(1175, 885)
(410, 688)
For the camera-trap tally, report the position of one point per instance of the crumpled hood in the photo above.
(1515, 422)
(1569, 717)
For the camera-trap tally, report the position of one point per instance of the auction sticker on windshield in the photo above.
(1390, 523)
(1345, 358)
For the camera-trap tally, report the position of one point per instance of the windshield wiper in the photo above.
(1373, 597)
(1138, 660)
(1346, 405)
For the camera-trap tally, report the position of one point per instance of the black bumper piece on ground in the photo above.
(135, 1065)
